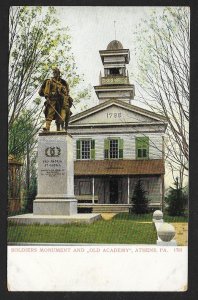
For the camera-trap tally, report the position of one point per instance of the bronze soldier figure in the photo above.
(58, 102)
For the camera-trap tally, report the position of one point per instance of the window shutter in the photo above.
(121, 141)
(147, 146)
(142, 147)
(138, 146)
(106, 148)
(78, 149)
(92, 149)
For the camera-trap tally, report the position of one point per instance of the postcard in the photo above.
(98, 148)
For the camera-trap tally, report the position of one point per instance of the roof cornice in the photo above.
(125, 105)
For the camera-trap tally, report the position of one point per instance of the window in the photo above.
(142, 148)
(85, 149)
(85, 188)
(113, 148)
(114, 71)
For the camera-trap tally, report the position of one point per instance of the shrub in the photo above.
(176, 200)
(139, 199)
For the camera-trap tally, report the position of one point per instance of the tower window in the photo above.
(114, 71)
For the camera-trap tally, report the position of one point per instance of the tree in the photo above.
(139, 199)
(22, 135)
(163, 44)
(21, 144)
(36, 44)
(29, 181)
(176, 200)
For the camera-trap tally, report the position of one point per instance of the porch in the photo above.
(108, 186)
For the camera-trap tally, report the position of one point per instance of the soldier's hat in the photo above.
(57, 70)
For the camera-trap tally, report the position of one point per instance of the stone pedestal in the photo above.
(55, 175)
(55, 202)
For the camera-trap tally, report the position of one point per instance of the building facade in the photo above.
(117, 143)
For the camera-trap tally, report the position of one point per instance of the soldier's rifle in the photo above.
(55, 111)
(48, 102)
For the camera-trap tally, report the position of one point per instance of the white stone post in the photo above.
(165, 231)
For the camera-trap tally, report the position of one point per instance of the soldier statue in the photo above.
(58, 102)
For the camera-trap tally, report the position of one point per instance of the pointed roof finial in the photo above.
(115, 28)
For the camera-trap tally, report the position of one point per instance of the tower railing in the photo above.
(114, 79)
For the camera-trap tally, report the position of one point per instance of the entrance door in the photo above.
(113, 189)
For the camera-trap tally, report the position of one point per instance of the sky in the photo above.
(92, 29)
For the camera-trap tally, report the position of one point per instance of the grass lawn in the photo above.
(122, 229)
(149, 217)
(119, 230)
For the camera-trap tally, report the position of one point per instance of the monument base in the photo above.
(27, 219)
(55, 202)
(61, 207)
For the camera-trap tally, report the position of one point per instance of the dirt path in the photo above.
(108, 216)
(181, 233)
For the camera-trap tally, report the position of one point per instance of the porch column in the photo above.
(162, 187)
(93, 190)
(128, 200)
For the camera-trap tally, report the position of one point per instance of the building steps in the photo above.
(110, 208)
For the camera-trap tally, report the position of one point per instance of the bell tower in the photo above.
(114, 84)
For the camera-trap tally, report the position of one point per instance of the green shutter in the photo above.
(78, 149)
(92, 149)
(147, 147)
(142, 147)
(121, 141)
(106, 148)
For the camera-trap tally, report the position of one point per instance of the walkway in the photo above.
(181, 233)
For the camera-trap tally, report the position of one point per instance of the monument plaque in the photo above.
(55, 202)
(55, 175)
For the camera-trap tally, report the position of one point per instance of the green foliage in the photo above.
(31, 189)
(37, 43)
(21, 133)
(139, 199)
(176, 200)
(21, 144)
